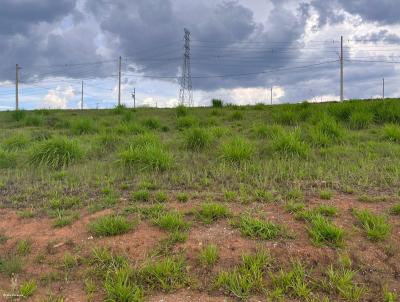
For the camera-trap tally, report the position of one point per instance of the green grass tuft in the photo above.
(197, 139)
(119, 286)
(395, 210)
(55, 153)
(258, 229)
(289, 144)
(391, 132)
(110, 226)
(323, 232)
(237, 150)
(28, 288)
(173, 221)
(211, 211)
(209, 255)
(376, 226)
(8, 160)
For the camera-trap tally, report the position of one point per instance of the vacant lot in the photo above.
(283, 203)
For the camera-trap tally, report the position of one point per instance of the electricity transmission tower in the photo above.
(185, 93)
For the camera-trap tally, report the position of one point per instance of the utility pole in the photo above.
(383, 88)
(185, 92)
(119, 82)
(82, 97)
(134, 97)
(271, 95)
(17, 68)
(341, 69)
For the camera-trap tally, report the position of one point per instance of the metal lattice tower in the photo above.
(185, 93)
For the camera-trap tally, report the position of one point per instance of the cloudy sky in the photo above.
(239, 49)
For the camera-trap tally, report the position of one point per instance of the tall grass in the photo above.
(197, 139)
(56, 153)
(391, 132)
(376, 226)
(16, 142)
(83, 126)
(289, 144)
(237, 150)
(7, 159)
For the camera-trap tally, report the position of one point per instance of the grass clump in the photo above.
(395, 210)
(323, 232)
(197, 139)
(258, 229)
(376, 226)
(236, 116)
(289, 144)
(110, 225)
(245, 278)
(83, 126)
(209, 255)
(171, 221)
(151, 123)
(389, 296)
(167, 274)
(7, 159)
(161, 197)
(15, 142)
(55, 153)
(211, 211)
(28, 288)
(148, 156)
(340, 281)
(391, 132)
(23, 247)
(326, 210)
(181, 110)
(237, 150)
(182, 197)
(361, 120)
(325, 194)
(293, 283)
(141, 195)
(119, 286)
(11, 265)
(186, 122)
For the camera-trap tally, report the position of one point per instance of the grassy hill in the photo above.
(280, 202)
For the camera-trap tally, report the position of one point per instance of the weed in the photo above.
(11, 265)
(110, 226)
(294, 207)
(230, 195)
(395, 210)
(236, 116)
(165, 246)
(186, 122)
(182, 197)
(149, 156)
(289, 144)
(63, 219)
(69, 261)
(211, 211)
(323, 232)
(171, 221)
(245, 278)
(23, 247)
(167, 274)
(55, 153)
(28, 288)
(15, 142)
(151, 123)
(391, 132)
(264, 196)
(209, 255)
(119, 286)
(197, 139)
(141, 195)
(361, 120)
(161, 197)
(325, 210)
(325, 194)
(258, 229)
(104, 260)
(376, 226)
(83, 126)
(389, 296)
(237, 150)
(7, 159)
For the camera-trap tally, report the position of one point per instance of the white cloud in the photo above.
(58, 98)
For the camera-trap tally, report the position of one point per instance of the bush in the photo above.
(237, 150)
(147, 156)
(7, 160)
(197, 139)
(110, 226)
(391, 132)
(217, 103)
(56, 153)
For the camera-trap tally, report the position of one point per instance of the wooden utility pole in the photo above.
(119, 82)
(341, 69)
(271, 95)
(134, 97)
(17, 68)
(82, 97)
(383, 88)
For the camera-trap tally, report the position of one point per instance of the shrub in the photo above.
(217, 103)
(290, 145)
(209, 255)
(186, 122)
(212, 211)
(15, 142)
(82, 126)
(237, 150)
(258, 229)
(376, 226)
(391, 132)
(7, 160)
(56, 153)
(152, 123)
(148, 156)
(360, 120)
(197, 139)
(110, 225)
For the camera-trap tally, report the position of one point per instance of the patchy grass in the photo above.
(212, 211)
(209, 255)
(171, 221)
(323, 232)
(258, 229)
(237, 150)
(395, 210)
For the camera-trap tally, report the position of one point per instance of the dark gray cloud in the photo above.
(380, 36)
